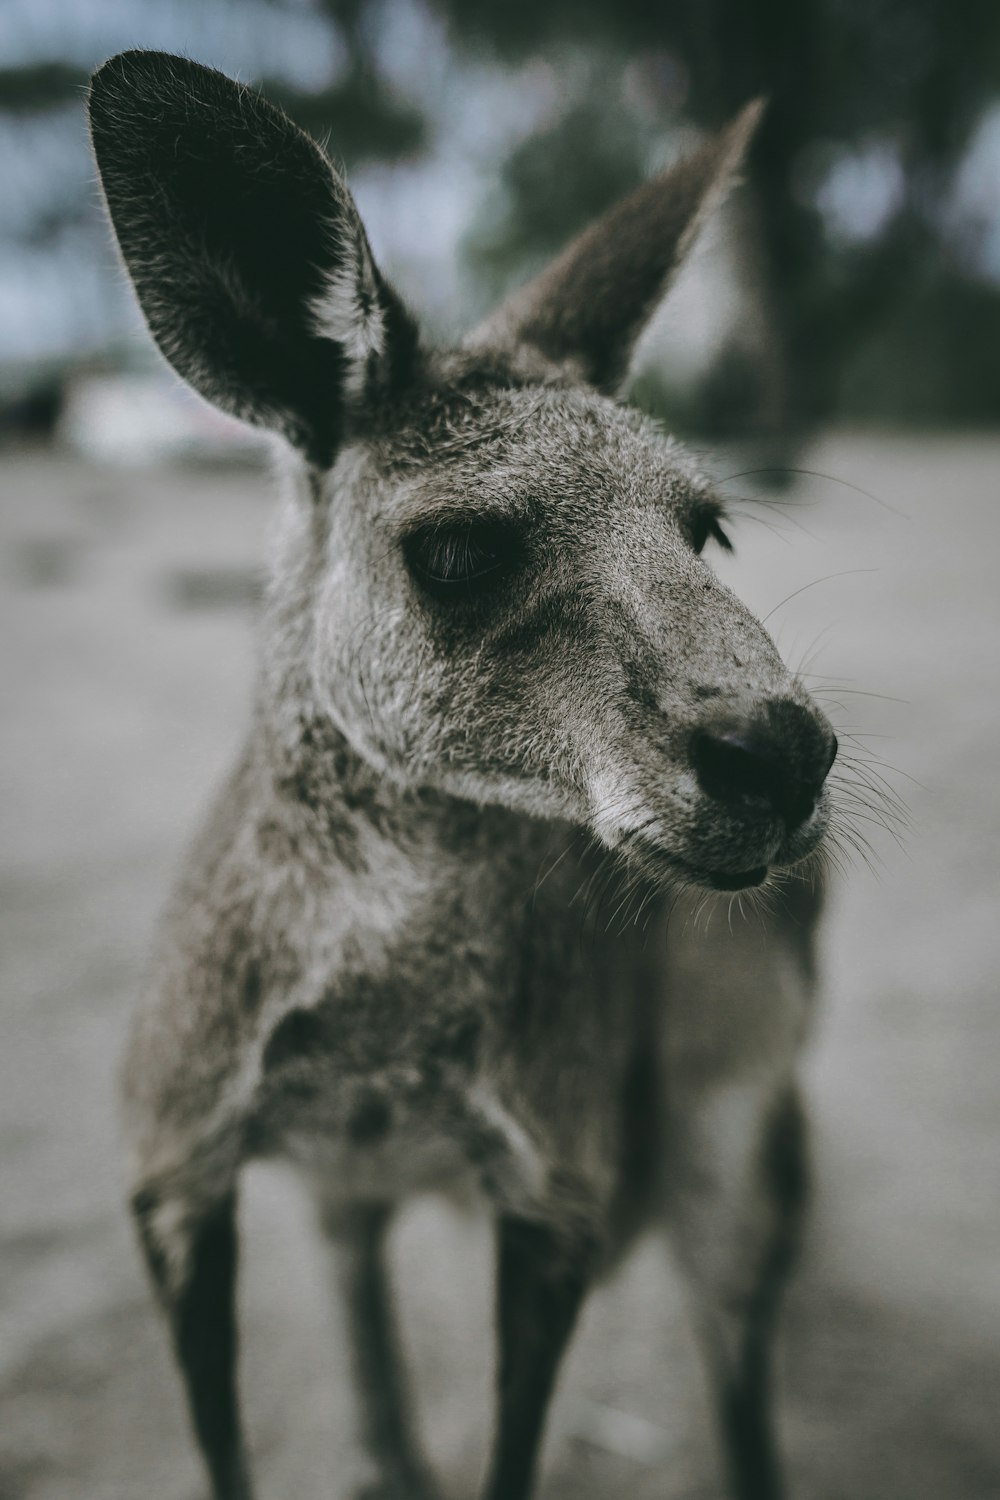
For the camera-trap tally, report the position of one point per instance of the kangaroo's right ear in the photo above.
(247, 253)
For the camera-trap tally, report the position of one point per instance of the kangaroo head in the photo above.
(493, 583)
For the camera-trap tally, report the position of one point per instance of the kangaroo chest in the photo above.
(467, 1067)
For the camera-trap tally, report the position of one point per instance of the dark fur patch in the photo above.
(253, 985)
(784, 1157)
(297, 1035)
(143, 1205)
(641, 1137)
(369, 1118)
(203, 1319)
(745, 1401)
(324, 775)
(459, 1038)
(542, 1279)
(202, 1315)
(643, 678)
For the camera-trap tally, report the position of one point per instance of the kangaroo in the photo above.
(496, 671)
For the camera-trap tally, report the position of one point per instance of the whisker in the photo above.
(567, 848)
(818, 474)
(861, 692)
(827, 578)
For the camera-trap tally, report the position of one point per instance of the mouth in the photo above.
(739, 880)
(721, 880)
(657, 864)
(717, 858)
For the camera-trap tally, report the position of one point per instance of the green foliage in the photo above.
(360, 116)
(724, 403)
(552, 185)
(40, 86)
(886, 323)
(935, 360)
(913, 77)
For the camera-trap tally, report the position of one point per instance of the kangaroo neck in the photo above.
(345, 806)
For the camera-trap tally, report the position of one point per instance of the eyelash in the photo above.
(706, 526)
(450, 560)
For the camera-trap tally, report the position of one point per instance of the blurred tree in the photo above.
(60, 302)
(868, 282)
(553, 183)
(40, 85)
(910, 79)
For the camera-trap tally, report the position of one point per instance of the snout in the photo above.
(761, 776)
(774, 761)
(757, 773)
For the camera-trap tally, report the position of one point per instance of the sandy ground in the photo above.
(126, 619)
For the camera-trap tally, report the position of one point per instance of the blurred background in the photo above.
(479, 136)
(833, 350)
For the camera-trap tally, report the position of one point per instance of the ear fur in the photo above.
(247, 254)
(588, 307)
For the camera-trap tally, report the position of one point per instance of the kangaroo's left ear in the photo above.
(589, 306)
(247, 253)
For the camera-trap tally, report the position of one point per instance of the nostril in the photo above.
(780, 759)
(734, 763)
(834, 747)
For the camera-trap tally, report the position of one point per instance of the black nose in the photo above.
(777, 759)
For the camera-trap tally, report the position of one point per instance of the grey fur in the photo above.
(380, 960)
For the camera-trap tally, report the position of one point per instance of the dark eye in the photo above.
(455, 560)
(706, 526)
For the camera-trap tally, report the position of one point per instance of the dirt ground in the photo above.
(126, 615)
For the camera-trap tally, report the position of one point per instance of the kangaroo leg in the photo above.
(191, 1255)
(541, 1281)
(397, 1468)
(738, 1201)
